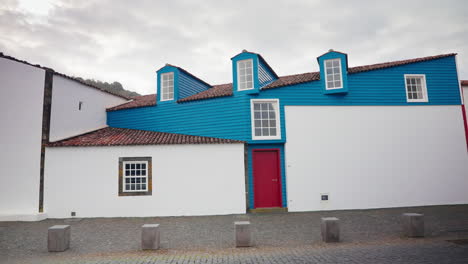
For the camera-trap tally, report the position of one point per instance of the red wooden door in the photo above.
(267, 180)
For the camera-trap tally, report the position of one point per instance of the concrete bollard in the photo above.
(413, 225)
(243, 234)
(58, 238)
(330, 229)
(150, 236)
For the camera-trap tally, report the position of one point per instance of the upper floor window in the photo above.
(245, 74)
(416, 90)
(167, 86)
(265, 119)
(333, 76)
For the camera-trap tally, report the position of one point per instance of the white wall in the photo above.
(22, 88)
(187, 180)
(375, 156)
(66, 119)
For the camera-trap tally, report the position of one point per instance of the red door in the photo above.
(267, 180)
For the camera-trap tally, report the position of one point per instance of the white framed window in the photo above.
(135, 176)
(265, 119)
(333, 77)
(245, 75)
(167, 86)
(416, 89)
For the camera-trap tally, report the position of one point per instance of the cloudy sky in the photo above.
(127, 41)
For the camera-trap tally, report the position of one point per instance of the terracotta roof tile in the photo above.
(219, 90)
(464, 82)
(111, 136)
(60, 74)
(138, 101)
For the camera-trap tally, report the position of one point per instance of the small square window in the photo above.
(416, 89)
(135, 176)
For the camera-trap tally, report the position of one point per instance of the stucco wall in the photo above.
(375, 156)
(22, 88)
(66, 118)
(187, 180)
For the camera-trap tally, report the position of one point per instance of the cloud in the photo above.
(127, 41)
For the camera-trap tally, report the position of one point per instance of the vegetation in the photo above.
(114, 87)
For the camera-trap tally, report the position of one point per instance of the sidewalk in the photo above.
(364, 233)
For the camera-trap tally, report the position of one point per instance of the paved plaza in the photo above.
(368, 236)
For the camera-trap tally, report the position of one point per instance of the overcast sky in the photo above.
(127, 41)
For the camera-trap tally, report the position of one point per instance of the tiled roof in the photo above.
(60, 74)
(111, 136)
(139, 101)
(223, 90)
(219, 90)
(464, 82)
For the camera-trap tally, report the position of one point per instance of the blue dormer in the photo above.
(250, 73)
(175, 83)
(334, 72)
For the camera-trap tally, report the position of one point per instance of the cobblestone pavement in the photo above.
(368, 236)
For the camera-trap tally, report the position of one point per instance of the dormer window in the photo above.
(245, 74)
(167, 86)
(333, 78)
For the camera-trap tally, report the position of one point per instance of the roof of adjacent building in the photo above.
(464, 82)
(223, 90)
(112, 136)
(60, 74)
(139, 101)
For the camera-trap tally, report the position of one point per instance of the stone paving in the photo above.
(369, 236)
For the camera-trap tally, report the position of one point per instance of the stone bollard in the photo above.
(150, 236)
(413, 225)
(243, 234)
(330, 229)
(58, 238)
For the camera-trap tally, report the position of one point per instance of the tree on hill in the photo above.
(114, 87)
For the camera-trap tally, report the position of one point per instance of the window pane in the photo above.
(143, 166)
(257, 115)
(127, 172)
(337, 84)
(258, 132)
(264, 115)
(258, 123)
(127, 187)
(143, 186)
(132, 173)
(330, 84)
(335, 63)
(272, 114)
(328, 64)
(272, 131)
(132, 166)
(272, 123)
(127, 166)
(265, 123)
(143, 180)
(265, 132)
(410, 95)
(138, 186)
(127, 180)
(143, 172)
(256, 106)
(133, 180)
(138, 166)
(138, 180)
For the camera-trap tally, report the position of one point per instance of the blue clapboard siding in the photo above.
(189, 86)
(229, 117)
(265, 76)
(250, 172)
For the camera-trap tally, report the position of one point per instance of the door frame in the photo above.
(278, 168)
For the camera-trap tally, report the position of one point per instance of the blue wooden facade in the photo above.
(230, 116)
